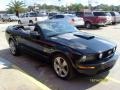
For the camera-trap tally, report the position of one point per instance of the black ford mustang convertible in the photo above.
(67, 48)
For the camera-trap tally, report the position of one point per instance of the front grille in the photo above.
(105, 56)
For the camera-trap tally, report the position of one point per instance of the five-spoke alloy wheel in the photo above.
(13, 48)
(62, 67)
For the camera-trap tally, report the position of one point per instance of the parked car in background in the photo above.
(115, 17)
(31, 17)
(64, 46)
(104, 14)
(70, 18)
(1, 16)
(5, 17)
(91, 19)
(13, 17)
(9, 17)
(51, 14)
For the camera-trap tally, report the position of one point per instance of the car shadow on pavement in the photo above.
(43, 72)
(91, 29)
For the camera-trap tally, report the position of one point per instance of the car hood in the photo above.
(83, 42)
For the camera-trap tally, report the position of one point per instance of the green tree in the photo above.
(75, 7)
(16, 7)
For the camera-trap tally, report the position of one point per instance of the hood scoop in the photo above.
(84, 36)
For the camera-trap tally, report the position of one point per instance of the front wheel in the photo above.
(14, 48)
(62, 67)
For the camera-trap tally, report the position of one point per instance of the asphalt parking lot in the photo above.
(43, 72)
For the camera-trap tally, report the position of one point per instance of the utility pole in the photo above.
(89, 5)
(59, 4)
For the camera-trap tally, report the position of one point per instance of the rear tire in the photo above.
(19, 22)
(88, 25)
(62, 67)
(14, 48)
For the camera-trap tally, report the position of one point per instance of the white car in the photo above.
(31, 17)
(72, 19)
(9, 17)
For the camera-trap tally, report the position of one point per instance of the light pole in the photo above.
(89, 5)
(59, 4)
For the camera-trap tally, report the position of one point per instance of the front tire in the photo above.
(14, 48)
(62, 67)
(30, 22)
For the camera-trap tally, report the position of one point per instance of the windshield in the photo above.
(99, 14)
(71, 16)
(56, 28)
(33, 14)
(108, 14)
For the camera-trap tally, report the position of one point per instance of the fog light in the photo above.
(86, 67)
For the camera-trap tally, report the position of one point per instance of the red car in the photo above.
(91, 19)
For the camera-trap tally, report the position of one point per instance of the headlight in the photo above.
(87, 58)
(83, 58)
(114, 49)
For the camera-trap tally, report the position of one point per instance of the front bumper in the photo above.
(98, 67)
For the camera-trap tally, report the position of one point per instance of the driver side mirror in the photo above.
(34, 35)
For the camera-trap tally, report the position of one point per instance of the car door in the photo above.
(37, 45)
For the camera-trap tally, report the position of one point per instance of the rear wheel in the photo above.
(62, 67)
(19, 22)
(30, 22)
(9, 20)
(88, 25)
(3, 20)
(14, 48)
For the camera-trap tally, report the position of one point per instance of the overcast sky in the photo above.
(3, 3)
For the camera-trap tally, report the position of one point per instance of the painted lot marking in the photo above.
(113, 79)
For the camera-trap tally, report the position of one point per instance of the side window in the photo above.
(24, 15)
(53, 17)
(117, 14)
(27, 15)
(112, 13)
(88, 14)
(79, 14)
(59, 16)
